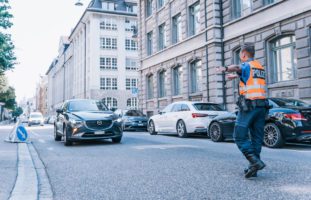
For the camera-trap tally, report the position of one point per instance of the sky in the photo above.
(38, 26)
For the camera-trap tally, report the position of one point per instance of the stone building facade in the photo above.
(99, 60)
(209, 35)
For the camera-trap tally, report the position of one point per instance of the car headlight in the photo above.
(75, 123)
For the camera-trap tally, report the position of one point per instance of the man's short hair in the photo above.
(249, 48)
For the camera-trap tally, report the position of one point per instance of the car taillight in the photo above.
(195, 115)
(295, 116)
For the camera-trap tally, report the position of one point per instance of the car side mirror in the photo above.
(59, 110)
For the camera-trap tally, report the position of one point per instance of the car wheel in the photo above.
(56, 136)
(181, 129)
(272, 136)
(116, 140)
(67, 141)
(215, 132)
(152, 128)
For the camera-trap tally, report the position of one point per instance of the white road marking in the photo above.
(34, 133)
(163, 146)
(26, 182)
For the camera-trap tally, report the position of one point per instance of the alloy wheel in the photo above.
(215, 132)
(272, 136)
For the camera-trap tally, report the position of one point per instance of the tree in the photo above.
(7, 55)
(8, 97)
(17, 112)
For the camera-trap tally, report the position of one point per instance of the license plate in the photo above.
(140, 124)
(99, 132)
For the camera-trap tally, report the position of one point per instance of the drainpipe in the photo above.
(84, 59)
(224, 92)
(206, 50)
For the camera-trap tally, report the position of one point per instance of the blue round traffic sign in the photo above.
(21, 133)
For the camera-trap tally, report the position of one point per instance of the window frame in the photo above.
(150, 87)
(131, 45)
(194, 81)
(149, 10)
(177, 80)
(161, 84)
(161, 37)
(108, 83)
(108, 43)
(274, 60)
(192, 29)
(108, 65)
(132, 102)
(150, 43)
(113, 102)
(176, 34)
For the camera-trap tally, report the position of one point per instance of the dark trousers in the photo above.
(253, 122)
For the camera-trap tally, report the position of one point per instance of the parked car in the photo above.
(51, 119)
(35, 118)
(288, 120)
(185, 118)
(133, 120)
(85, 119)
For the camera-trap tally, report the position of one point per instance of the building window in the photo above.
(177, 80)
(131, 64)
(108, 6)
(149, 8)
(150, 87)
(283, 59)
(108, 63)
(161, 3)
(110, 102)
(196, 76)
(131, 8)
(267, 2)
(161, 41)
(241, 8)
(194, 19)
(131, 83)
(108, 24)
(130, 45)
(235, 82)
(176, 29)
(161, 84)
(149, 43)
(108, 43)
(108, 83)
(130, 25)
(132, 103)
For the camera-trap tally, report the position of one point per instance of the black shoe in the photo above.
(246, 170)
(256, 164)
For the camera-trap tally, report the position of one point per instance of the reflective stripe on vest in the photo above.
(255, 85)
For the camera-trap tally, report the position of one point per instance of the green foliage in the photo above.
(17, 112)
(8, 97)
(7, 56)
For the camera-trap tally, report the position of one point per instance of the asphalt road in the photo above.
(168, 167)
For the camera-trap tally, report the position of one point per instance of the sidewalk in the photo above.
(8, 162)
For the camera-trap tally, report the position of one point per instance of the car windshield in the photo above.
(86, 105)
(134, 113)
(289, 102)
(207, 106)
(35, 116)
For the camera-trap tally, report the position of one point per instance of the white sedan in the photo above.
(184, 117)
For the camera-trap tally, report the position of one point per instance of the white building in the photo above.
(99, 60)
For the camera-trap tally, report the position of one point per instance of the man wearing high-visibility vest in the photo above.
(252, 105)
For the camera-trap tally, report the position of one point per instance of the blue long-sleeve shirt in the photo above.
(246, 70)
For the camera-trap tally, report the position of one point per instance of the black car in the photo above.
(288, 120)
(133, 120)
(86, 119)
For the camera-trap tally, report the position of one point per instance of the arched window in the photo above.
(282, 59)
(110, 102)
(161, 84)
(196, 76)
(132, 103)
(150, 87)
(235, 82)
